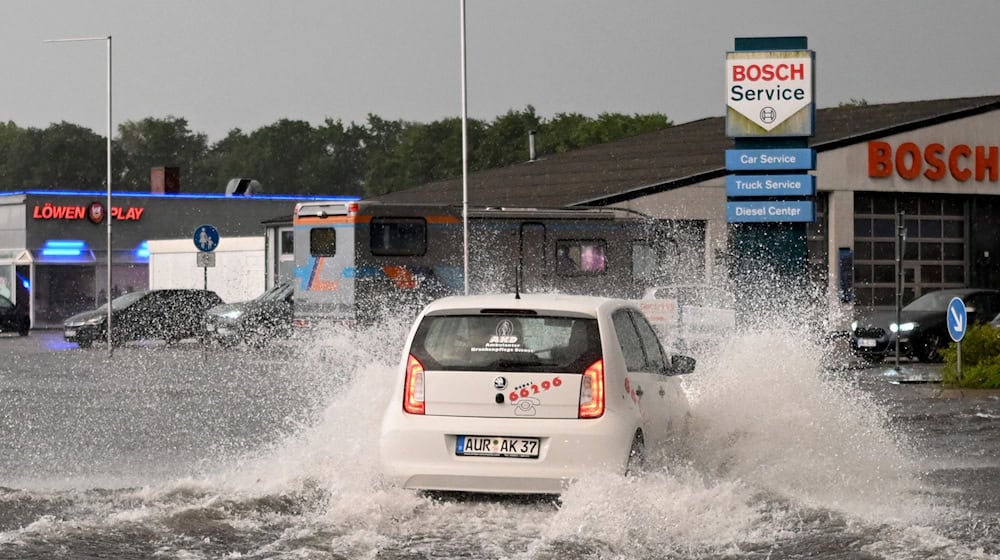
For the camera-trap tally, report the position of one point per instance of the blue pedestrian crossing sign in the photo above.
(206, 238)
(957, 319)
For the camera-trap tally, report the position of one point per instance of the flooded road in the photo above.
(185, 452)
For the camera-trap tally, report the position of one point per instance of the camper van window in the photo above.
(576, 257)
(398, 236)
(322, 242)
(643, 262)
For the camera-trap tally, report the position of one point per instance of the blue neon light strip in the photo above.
(142, 251)
(65, 244)
(61, 252)
(64, 248)
(336, 198)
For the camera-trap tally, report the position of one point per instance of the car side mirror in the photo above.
(680, 365)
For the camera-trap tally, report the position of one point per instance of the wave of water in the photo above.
(782, 461)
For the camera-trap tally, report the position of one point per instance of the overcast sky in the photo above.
(247, 63)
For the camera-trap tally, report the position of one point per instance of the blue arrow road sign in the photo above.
(957, 319)
(206, 238)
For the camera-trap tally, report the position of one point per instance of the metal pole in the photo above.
(959, 361)
(107, 210)
(108, 213)
(465, 159)
(900, 236)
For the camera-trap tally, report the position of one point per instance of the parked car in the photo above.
(500, 394)
(255, 322)
(169, 315)
(923, 325)
(13, 318)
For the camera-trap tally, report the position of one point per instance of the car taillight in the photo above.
(592, 391)
(413, 387)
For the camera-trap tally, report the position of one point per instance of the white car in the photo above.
(506, 394)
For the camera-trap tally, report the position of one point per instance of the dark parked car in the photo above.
(255, 322)
(169, 315)
(923, 325)
(13, 318)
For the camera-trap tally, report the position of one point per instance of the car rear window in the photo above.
(507, 343)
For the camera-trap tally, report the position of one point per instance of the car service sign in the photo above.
(769, 93)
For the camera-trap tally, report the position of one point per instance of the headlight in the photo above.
(94, 321)
(854, 325)
(234, 314)
(905, 327)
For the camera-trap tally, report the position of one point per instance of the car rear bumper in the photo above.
(81, 333)
(420, 453)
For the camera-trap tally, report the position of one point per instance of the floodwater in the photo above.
(187, 453)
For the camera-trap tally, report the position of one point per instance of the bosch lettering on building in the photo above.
(934, 161)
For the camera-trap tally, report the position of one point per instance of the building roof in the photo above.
(673, 157)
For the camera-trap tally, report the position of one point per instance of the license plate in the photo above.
(492, 446)
(70, 333)
(867, 343)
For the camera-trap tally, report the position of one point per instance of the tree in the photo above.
(505, 140)
(166, 142)
(62, 156)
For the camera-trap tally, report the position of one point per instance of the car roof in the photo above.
(558, 303)
(961, 291)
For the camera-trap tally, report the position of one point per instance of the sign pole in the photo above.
(959, 347)
(958, 323)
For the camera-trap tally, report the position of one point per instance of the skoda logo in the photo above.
(500, 383)
(768, 115)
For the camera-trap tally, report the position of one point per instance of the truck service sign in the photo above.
(769, 93)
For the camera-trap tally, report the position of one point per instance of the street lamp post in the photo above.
(465, 155)
(107, 211)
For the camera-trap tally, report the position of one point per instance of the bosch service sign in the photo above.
(769, 93)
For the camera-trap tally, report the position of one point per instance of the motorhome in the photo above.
(359, 262)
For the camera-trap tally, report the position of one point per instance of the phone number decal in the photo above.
(529, 389)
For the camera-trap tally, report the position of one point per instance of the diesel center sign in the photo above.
(769, 93)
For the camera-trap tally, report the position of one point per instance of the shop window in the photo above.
(863, 274)
(930, 251)
(884, 273)
(883, 228)
(930, 228)
(862, 250)
(930, 206)
(882, 251)
(954, 252)
(398, 236)
(931, 274)
(584, 257)
(884, 296)
(954, 274)
(909, 206)
(883, 204)
(953, 229)
(322, 242)
(954, 207)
